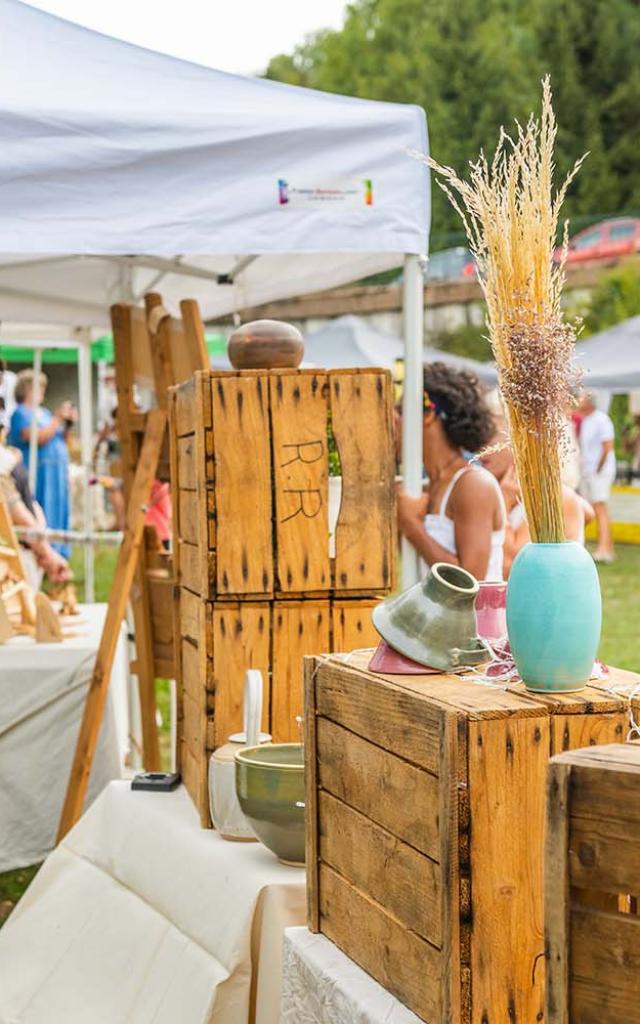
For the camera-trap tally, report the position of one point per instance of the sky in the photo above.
(232, 35)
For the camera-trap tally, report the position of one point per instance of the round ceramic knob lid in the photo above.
(266, 345)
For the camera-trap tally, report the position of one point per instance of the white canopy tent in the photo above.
(353, 341)
(123, 170)
(610, 360)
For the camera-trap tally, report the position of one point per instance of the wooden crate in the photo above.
(425, 821)
(592, 884)
(220, 640)
(250, 467)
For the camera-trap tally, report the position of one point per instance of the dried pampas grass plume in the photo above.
(510, 214)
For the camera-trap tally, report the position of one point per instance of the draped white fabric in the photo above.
(42, 693)
(140, 915)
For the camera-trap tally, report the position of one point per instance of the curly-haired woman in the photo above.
(462, 518)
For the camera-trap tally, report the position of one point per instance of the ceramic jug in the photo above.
(434, 621)
(226, 815)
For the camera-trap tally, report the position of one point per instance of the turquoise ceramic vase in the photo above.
(554, 616)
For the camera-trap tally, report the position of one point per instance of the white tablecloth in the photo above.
(320, 985)
(42, 693)
(141, 916)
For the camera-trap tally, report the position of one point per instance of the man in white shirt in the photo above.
(598, 469)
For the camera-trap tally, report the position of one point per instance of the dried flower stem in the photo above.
(511, 216)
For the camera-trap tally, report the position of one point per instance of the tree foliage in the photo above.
(615, 298)
(476, 66)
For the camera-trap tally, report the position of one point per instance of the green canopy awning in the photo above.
(101, 351)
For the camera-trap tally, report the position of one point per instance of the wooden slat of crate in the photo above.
(244, 555)
(604, 854)
(507, 772)
(344, 759)
(605, 966)
(301, 474)
(351, 625)
(384, 868)
(197, 522)
(568, 732)
(241, 640)
(185, 408)
(300, 628)
(404, 963)
(361, 420)
(457, 693)
(193, 561)
(187, 467)
(205, 529)
(189, 615)
(188, 517)
(194, 725)
(384, 714)
(185, 769)
(593, 859)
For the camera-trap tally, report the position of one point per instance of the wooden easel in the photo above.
(161, 350)
(123, 578)
(172, 349)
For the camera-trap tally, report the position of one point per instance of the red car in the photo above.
(606, 240)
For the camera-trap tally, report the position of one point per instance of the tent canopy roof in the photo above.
(113, 151)
(611, 359)
(352, 341)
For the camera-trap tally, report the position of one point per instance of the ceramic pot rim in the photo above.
(250, 761)
(472, 587)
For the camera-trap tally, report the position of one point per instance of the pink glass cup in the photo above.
(491, 611)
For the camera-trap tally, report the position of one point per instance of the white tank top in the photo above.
(441, 528)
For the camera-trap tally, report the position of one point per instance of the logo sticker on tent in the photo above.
(354, 193)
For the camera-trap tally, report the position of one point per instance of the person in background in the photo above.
(570, 453)
(598, 469)
(158, 512)
(462, 517)
(631, 442)
(38, 555)
(499, 461)
(52, 481)
(7, 389)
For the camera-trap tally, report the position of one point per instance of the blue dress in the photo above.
(52, 480)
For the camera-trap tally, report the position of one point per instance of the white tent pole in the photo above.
(86, 447)
(33, 436)
(413, 314)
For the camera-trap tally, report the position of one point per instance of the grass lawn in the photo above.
(621, 603)
(620, 647)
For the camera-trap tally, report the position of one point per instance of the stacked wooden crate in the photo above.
(153, 350)
(592, 886)
(425, 830)
(258, 584)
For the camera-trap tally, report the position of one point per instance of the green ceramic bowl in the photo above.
(270, 788)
